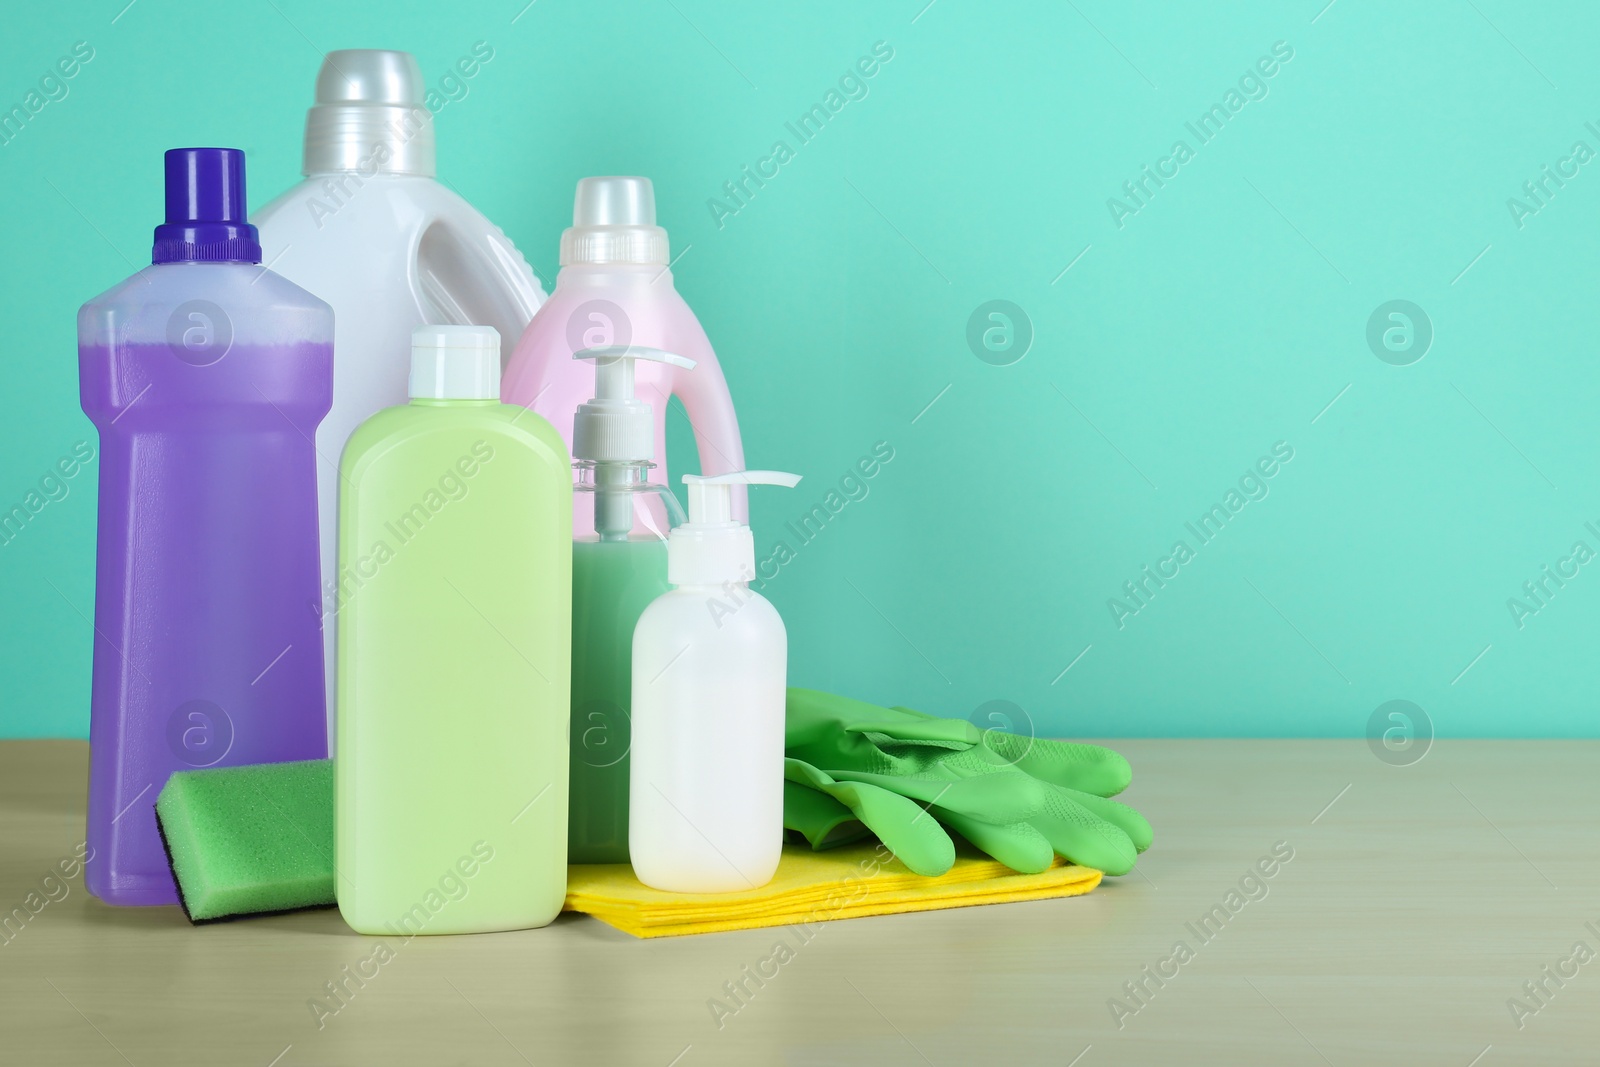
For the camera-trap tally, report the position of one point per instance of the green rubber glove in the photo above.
(1079, 822)
(1087, 768)
(830, 812)
(1021, 800)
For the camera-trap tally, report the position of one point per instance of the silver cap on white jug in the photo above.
(369, 116)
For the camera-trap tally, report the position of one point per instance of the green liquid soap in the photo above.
(612, 583)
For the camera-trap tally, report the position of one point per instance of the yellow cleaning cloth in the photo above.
(812, 887)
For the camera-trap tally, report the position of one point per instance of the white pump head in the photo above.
(711, 548)
(615, 426)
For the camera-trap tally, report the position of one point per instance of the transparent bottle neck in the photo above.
(623, 499)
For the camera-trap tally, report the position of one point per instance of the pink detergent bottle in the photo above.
(206, 375)
(615, 289)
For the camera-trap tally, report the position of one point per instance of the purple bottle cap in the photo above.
(206, 216)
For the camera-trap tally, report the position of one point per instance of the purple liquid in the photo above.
(208, 648)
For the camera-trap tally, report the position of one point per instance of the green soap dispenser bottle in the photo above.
(454, 654)
(617, 570)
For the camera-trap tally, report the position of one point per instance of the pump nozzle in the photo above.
(614, 426)
(711, 548)
(711, 497)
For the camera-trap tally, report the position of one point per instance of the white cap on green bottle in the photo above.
(455, 363)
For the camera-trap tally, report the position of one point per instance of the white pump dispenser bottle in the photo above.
(619, 567)
(710, 664)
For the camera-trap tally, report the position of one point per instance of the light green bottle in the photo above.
(454, 609)
(616, 572)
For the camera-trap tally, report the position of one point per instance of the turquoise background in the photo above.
(1221, 318)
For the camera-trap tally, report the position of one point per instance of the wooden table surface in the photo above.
(1419, 903)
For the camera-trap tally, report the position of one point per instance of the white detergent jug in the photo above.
(373, 234)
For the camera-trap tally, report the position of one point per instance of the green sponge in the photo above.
(250, 840)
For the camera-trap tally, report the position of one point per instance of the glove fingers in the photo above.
(1124, 818)
(1084, 838)
(1017, 845)
(1090, 768)
(915, 837)
(1004, 797)
(973, 780)
(901, 772)
(823, 821)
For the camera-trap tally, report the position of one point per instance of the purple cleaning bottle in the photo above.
(206, 375)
